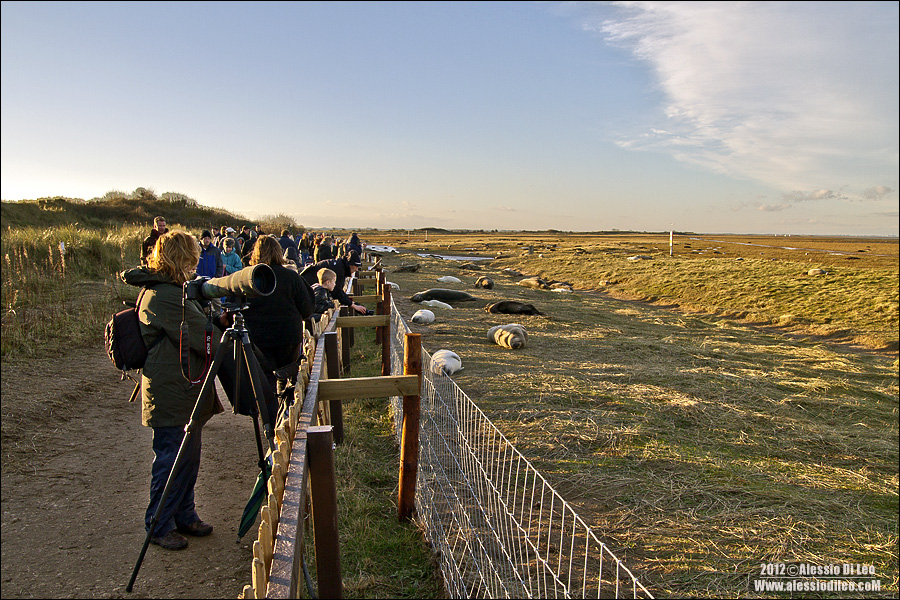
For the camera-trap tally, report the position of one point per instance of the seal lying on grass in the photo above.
(423, 317)
(512, 307)
(445, 361)
(407, 268)
(512, 336)
(436, 304)
(484, 282)
(444, 295)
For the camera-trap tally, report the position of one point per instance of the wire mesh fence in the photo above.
(499, 528)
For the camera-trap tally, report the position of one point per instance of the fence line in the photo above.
(500, 529)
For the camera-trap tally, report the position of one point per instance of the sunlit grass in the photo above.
(380, 557)
(698, 446)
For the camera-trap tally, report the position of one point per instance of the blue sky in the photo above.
(746, 117)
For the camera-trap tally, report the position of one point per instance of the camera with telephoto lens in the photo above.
(258, 280)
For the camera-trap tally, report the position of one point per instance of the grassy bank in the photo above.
(698, 446)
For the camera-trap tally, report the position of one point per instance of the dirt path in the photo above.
(72, 523)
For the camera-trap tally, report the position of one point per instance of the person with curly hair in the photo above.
(167, 395)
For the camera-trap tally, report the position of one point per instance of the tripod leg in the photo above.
(205, 390)
(237, 378)
(254, 370)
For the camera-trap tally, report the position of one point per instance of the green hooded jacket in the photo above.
(167, 397)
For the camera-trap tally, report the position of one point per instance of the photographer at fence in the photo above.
(167, 397)
(343, 267)
(275, 322)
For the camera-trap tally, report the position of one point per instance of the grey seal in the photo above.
(484, 282)
(512, 307)
(444, 295)
(512, 336)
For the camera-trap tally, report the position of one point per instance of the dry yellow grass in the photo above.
(703, 442)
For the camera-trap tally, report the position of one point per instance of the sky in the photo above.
(708, 117)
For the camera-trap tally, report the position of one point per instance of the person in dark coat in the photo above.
(159, 228)
(343, 267)
(354, 245)
(322, 291)
(323, 250)
(167, 396)
(305, 245)
(289, 248)
(211, 263)
(275, 322)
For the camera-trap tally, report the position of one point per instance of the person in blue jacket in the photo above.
(231, 258)
(211, 264)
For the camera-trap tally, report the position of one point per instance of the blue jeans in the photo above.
(179, 508)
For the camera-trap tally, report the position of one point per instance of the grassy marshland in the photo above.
(706, 414)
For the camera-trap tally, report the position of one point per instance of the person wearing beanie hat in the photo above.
(211, 263)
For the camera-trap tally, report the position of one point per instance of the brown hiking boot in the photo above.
(171, 541)
(197, 529)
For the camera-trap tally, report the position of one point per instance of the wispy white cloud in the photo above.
(796, 95)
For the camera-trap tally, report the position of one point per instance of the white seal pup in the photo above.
(436, 304)
(512, 336)
(445, 361)
(449, 279)
(423, 317)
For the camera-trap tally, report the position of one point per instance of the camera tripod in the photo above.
(237, 338)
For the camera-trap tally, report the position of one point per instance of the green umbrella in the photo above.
(260, 489)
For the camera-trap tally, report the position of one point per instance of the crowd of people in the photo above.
(310, 274)
(225, 250)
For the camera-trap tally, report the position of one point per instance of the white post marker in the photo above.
(671, 243)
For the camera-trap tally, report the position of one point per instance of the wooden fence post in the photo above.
(387, 334)
(345, 340)
(324, 512)
(379, 306)
(409, 440)
(333, 365)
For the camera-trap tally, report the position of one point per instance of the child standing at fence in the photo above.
(322, 290)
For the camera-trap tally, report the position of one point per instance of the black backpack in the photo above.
(123, 341)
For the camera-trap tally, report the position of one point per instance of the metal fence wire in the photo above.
(499, 528)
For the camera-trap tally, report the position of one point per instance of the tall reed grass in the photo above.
(59, 285)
